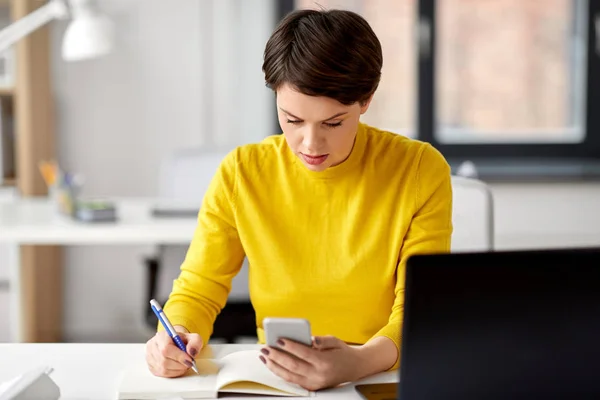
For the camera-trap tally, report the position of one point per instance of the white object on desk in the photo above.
(92, 371)
(31, 385)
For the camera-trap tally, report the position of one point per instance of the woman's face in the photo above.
(319, 130)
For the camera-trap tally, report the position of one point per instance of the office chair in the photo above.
(472, 215)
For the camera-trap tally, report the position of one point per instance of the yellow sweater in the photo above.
(327, 246)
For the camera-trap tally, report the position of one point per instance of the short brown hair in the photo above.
(331, 53)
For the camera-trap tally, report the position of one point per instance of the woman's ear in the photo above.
(364, 105)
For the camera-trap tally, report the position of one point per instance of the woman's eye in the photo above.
(327, 124)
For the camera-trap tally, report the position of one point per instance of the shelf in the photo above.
(8, 3)
(9, 182)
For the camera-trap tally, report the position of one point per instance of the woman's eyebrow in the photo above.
(327, 119)
(336, 115)
(289, 113)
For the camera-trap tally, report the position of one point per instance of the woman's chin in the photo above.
(316, 168)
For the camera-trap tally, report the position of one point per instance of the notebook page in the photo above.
(138, 382)
(243, 372)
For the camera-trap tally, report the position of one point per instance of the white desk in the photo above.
(91, 371)
(35, 221)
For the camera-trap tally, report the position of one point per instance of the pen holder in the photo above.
(65, 198)
(65, 193)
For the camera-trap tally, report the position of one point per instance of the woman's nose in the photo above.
(312, 139)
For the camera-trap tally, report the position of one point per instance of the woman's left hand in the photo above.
(328, 363)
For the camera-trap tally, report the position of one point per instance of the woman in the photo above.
(326, 213)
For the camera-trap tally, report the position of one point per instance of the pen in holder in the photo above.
(65, 194)
(63, 188)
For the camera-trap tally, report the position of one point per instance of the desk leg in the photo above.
(14, 289)
(41, 293)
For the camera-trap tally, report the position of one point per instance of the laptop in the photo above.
(502, 325)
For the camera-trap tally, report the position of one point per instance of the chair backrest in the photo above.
(185, 176)
(473, 215)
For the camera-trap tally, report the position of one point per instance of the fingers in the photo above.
(299, 350)
(193, 343)
(164, 372)
(326, 342)
(287, 361)
(164, 358)
(164, 368)
(307, 353)
(284, 373)
(168, 349)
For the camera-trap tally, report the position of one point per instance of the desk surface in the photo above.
(36, 221)
(92, 371)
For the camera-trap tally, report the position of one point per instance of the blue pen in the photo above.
(170, 330)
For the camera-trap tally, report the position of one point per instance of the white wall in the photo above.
(175, 81)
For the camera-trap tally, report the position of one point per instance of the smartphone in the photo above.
(296, 329)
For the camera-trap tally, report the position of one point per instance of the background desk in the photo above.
(91, 371)
(36, 222)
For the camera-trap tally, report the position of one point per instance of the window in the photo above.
(393, 106)
(507, 84)
(509, 81)
(510, 71)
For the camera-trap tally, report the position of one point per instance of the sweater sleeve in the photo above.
(430, 229)
(214, 257)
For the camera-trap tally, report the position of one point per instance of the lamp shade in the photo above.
(89, 35)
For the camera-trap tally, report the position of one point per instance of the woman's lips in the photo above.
(314, 160)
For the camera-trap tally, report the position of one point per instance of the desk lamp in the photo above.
(89, 34)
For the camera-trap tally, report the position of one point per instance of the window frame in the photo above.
(589, 149)
(282, 8)
(505, 161)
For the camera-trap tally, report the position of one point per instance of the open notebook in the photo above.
(238, 372)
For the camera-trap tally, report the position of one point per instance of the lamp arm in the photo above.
(24, 26)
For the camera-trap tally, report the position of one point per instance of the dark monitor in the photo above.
(503, 325)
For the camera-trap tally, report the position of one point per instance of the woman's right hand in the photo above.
(165, 359)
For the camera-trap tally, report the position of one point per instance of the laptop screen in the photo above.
(506, 325)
